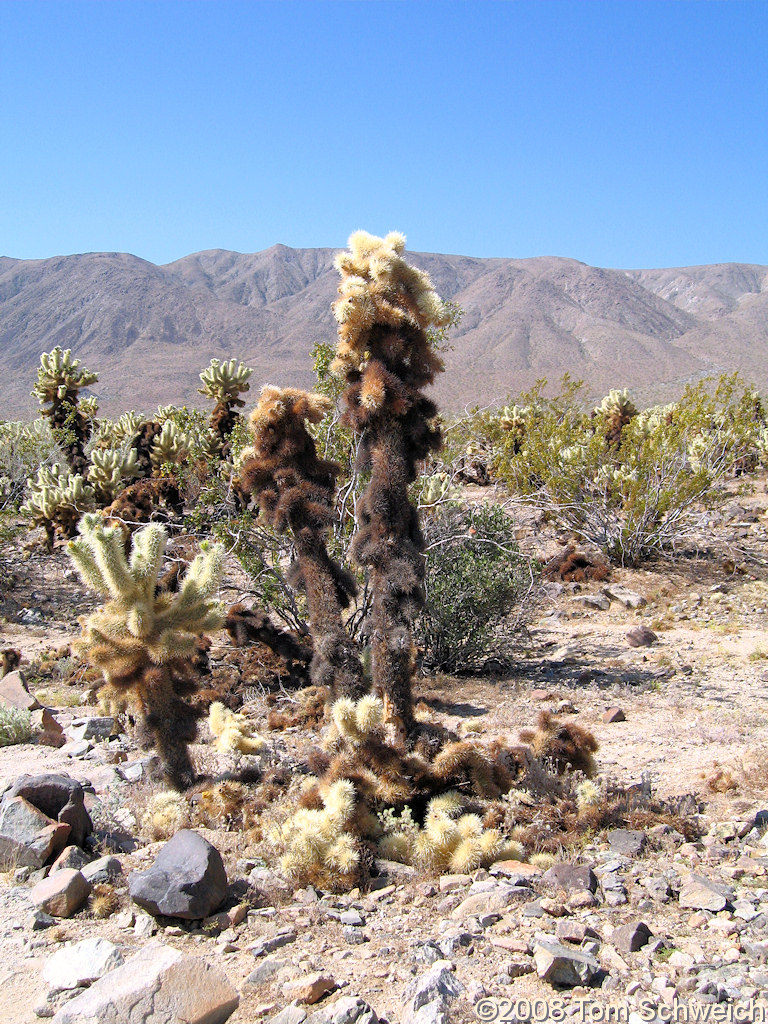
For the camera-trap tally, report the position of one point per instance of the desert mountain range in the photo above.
(148, 330)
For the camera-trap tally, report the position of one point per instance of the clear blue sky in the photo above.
(625, 134)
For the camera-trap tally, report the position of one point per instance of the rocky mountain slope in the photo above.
(149, 330)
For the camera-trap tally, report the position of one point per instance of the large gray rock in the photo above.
(187, 879)
(700, 893)
(81, 964)
(428, 998)
(562, 966)
(28, 837)
(571, 877)
(58, 796)
(160, 985)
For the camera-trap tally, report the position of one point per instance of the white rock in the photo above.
(160, 985)
(81, 964)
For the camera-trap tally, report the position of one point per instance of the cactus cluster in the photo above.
(224, 383)
(318, 846)
(169, 446)
(110, 470)
(57, 499)
(59, 382)
(449, 840)
(616, 410)
(233, 732)
(143, 640)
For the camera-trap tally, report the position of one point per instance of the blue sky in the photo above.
(623, 134)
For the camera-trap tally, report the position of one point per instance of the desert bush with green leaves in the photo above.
(637, 484)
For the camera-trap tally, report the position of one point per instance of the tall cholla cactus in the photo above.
(616, 410)
(111, 469)
(57, 500)
(143, 641)
(59, 382)
(224, 383)
(514, 420)
(295, 490)
(384, 310)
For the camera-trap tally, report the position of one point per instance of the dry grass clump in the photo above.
(310, 712)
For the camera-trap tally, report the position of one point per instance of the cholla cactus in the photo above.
(358, 722)
(316, 845)
(57, 500)
(144, 641)
(58, 385)
(436, 488)
(127, 427)
(224, 383)
(616, 410)
(514, 420)
(110, 470)
(450, 840)
(169, 446)
(295, 490)
(384, 309)
(233, 732)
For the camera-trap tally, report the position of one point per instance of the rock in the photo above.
(145, 926)
(628, 938)
(158, 984)
(102, 870)
(599, 601)
(265, 970)
(290, 1015)
(700, 893)
(395, 871)
(187, 879)
(353, 918)
(61, 894)
(46, 730)
(574, 931)
(97, 728)
(58, 796)
(71, 857)
(310, 988)
(615, 714)
(81, 964)
(448, 883)
(427, 999)
(640, 636)
(485, 903)
(28, 837)
(515, 870)
(14, 693)
(629, 598)
(559, 965)
(347, 1010)
(354, 936)
(38, 921)
(628, 842)
(570, 877)
(269, 944)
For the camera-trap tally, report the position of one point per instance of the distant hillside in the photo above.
(149, 330)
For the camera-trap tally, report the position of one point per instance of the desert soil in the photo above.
(696, 722)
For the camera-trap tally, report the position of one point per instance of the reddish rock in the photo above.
(613, 715)
(309, 989)
(28, 837)
(48, 732)
(62, 893)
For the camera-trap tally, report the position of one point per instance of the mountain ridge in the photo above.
(149, 329)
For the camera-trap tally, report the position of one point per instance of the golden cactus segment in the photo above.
(378, 286)
(223, 382)
(233, 732)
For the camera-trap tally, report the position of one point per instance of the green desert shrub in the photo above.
(636, 484)
(478, 584)
(15, 726)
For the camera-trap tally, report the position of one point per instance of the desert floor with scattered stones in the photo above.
(695, 722)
